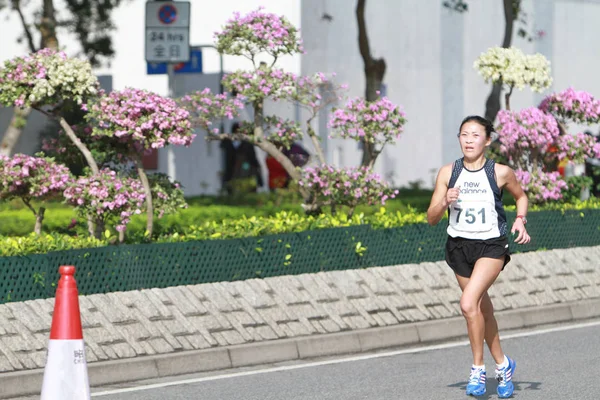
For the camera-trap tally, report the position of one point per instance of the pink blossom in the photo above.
(106, 195)
(346, 186)
(32, 177)
(144, 119)
(578, 106)
(380, 122)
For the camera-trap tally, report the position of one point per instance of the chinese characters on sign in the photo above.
(78, 357)
(167, 32)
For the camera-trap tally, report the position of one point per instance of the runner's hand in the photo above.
(523, 236)
(452, 195)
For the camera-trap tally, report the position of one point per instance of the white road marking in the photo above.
(340, 360)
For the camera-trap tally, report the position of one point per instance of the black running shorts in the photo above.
(462, 254)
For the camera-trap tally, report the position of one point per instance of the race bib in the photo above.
(471, 216)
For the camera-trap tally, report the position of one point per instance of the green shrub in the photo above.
(31, 244)
(228, 228)
(16, 220)
(287, 222)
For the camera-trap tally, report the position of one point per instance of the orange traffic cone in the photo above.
(65, 375)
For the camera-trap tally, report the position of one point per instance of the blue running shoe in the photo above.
(476, 385)
(504, 377)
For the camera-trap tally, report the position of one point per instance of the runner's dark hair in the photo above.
(486, 123)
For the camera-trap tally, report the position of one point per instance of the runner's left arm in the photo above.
(515, 189)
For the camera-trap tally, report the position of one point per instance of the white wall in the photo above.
(429, 52)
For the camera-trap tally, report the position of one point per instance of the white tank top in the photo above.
(478, 213)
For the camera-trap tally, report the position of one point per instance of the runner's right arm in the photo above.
(442, 196)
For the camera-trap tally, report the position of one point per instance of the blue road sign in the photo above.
(167, 14)
(194, 66)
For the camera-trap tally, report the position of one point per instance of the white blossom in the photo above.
(514, 68)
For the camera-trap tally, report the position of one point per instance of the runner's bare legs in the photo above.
(478, 310)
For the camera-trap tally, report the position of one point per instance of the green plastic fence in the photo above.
(131, 267)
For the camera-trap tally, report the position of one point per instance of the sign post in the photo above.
(168, 41)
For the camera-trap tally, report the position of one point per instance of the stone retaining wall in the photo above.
(161, 321)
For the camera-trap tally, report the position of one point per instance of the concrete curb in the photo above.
(23, 383)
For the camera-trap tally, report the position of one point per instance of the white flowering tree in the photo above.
(50, 82)
(535, 138)
(514, 69)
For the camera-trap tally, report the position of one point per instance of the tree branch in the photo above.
(79, 144)
(16, 5)
(315, 140)
(28, 204)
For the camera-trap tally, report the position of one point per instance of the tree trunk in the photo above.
(48, 26)
(14, 130)
(270, 148)
(91, 226)
(98, 228)
(374, 73)
(316, 142)
(39, 218)
(87, 154)
(507, 98)
(492, 104)
(148, 192)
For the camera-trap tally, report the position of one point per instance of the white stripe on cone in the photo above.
(65, 375)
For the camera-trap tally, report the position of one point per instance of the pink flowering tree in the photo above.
(140, 121)
(347, 186)
(572, 105)
(541, 186)
(32, 179)
(526, 137)
(260, 32)
(50, 82)
(377, 123)
(533, 138)
(107, 197)
(167, 196)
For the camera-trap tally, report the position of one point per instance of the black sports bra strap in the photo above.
(456, 170)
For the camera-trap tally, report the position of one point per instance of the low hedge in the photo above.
(20, 222)
(60, 218)
(228, 228)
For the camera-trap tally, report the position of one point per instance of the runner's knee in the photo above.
(469, 307)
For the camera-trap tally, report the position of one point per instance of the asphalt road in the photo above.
(559, 363)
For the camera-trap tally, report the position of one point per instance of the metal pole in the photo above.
(171, 166)
(221, 72)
